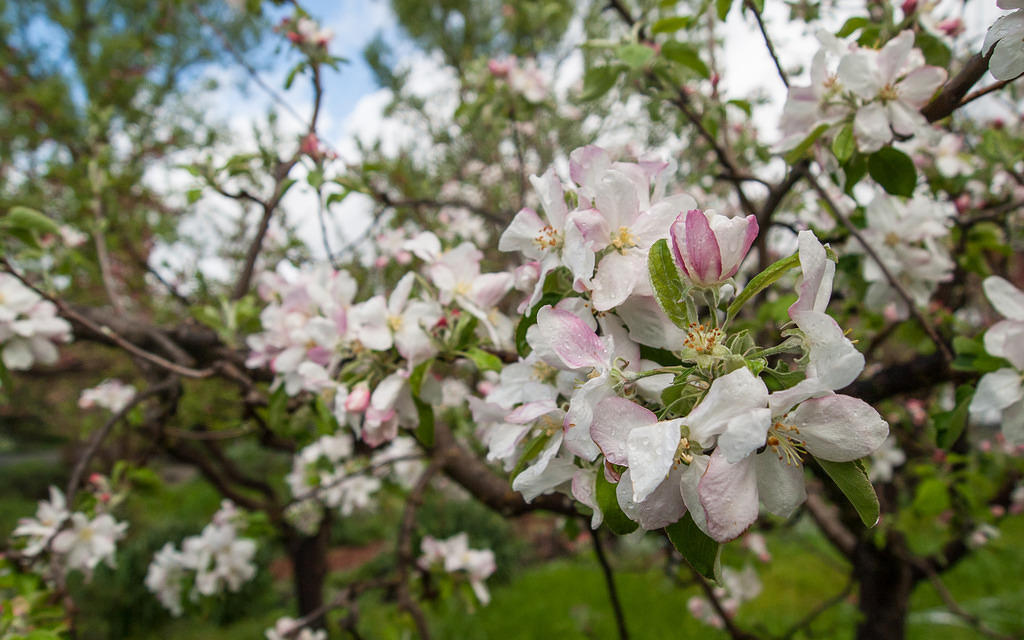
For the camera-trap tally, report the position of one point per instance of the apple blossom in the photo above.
(29, 326)
(1002, 391)
(455, 555)
(708, 247)
(112, 395)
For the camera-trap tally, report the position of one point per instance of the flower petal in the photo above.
(728, 493)
(651, 453)
(660, 508)
(838, 428)
(1006, 298)
(614, 419)
(779, 485)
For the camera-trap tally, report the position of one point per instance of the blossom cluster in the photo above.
(879, 92)
(80, 542)
(29, 326)
(215, 561)
(908, 238)
(584, 403)
(329, 472)
(454, 555)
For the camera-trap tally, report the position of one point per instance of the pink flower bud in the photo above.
(952, 27)
(708, 247)
(358, 399)
(909, 7)
(998, 510)
(963, 202)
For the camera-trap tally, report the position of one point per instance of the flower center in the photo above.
(548, 238)
(701, 338)
(889, 92)
(395, 322)
(543, 372)
(623, 239)
(892, 239)
(784, 441)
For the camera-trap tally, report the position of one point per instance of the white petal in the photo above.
(857, 72)
(728, 493)
(920, 84)
(996, 391)
(651, 453)
(614, 419)
(1006, 298)
(779, 485)
(616, 277)
(871, 128)
(662, 507)
(838, 428)
(729, 396)
(745, 433)
(1006, 340)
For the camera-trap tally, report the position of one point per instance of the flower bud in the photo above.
(358, 399)
(709, 247)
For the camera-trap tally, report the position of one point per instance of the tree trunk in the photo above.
(309, 568)
(886, 582)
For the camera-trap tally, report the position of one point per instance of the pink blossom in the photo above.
(708, 247)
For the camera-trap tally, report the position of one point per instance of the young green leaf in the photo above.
(668, 286)
(852, 480)
(843, 146)
(894, 171)
(762, 281)
(609, 504)
(702, 552)
(799, 150)
(685, 55)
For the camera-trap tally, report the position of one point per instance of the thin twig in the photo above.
(404, 550)
(101, 434)
(974, 621)
(822, 607)
(768, 43)
(734, 632)
(995, 86)
(70, 313)
(609, 579)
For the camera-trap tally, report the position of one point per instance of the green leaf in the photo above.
(852, 480)
(635, 55)
(597, 81)
(722, 8)
(843, 146)
(669, 289)
(934, 49)
(193, 195)
(894, 170)
(616, 520)
(850, 26)
(29, 220)
(699, 550)
(417, 375)
(854, 170)
(484, 361)
(463, 331)
(674, 23)
(799, 150)
(762, 281)
(522, 346)
(931, 497)
(530, 451)
(950, 424)
(425, 429)
(685, 55)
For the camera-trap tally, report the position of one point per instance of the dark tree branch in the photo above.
(609, 580)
